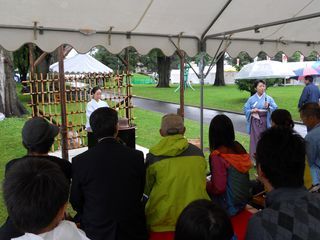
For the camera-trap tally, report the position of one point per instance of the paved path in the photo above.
(193, 113)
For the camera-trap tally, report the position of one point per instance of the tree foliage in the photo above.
(247, 84)
(21, 61)
(244, 58)
(109, 59)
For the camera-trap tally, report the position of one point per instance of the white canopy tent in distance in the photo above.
(182, 26)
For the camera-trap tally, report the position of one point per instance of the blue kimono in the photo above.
(256, 102)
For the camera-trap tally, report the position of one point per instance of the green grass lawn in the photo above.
(225, 98)
(138, 78)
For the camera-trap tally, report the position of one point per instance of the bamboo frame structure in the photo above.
(47, 98)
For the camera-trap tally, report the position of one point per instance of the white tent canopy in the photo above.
(81, 63)
(251, 25)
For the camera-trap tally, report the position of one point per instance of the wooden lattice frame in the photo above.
(45, 100)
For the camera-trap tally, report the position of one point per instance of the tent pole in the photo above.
(182, 58)
(265, 25)
(63, 128)
(201, 73)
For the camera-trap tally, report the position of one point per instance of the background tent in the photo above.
(81, 63)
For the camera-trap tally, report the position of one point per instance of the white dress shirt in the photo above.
(66, 230)
(91, 106)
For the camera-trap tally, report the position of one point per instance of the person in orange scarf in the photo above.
(229, 166)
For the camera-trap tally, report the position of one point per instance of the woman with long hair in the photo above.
(229, 165)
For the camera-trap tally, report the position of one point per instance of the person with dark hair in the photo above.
(310, 115)
(94, 104)
(107, 184)
(204, 220)
(176, 176)
(310, 93)
(36, 194)
(229, 167)
(281, 118)
(37, 137)
(291, 211)
(258, 111)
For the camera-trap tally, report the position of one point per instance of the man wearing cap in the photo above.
(37, 137)
(176, 176)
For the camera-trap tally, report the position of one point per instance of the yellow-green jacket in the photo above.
(176, 176)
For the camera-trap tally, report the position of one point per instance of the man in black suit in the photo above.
(107, 184)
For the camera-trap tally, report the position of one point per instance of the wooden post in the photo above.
(33, 84)
(127, 100)
(63, 129)
(182, 60)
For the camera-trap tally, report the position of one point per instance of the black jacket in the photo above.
(107, 187)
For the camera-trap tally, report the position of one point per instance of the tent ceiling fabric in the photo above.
(150, 22)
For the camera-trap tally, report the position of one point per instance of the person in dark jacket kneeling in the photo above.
(291, 211)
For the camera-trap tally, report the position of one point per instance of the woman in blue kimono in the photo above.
(258, 111)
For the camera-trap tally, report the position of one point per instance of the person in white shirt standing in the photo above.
(36, 194)
(94, 104)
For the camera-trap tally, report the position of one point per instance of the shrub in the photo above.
(247, 84)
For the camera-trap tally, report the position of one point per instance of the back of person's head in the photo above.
(309, 78)
(282, 118)
(103, 122)
(281, 156)
(35, 190)
(38, 135)
(221, 132)
(172, 124)
(203, 220)
(310, 110)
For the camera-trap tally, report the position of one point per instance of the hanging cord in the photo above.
(109, 35)
(143, 15)
(35, 26)
(179, 38)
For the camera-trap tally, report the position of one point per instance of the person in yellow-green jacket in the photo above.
(176, 176)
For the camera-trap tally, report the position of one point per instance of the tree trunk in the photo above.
(219, 80)
(9, 102)
(164, 71)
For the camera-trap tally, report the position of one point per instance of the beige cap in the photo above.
(172, 124)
